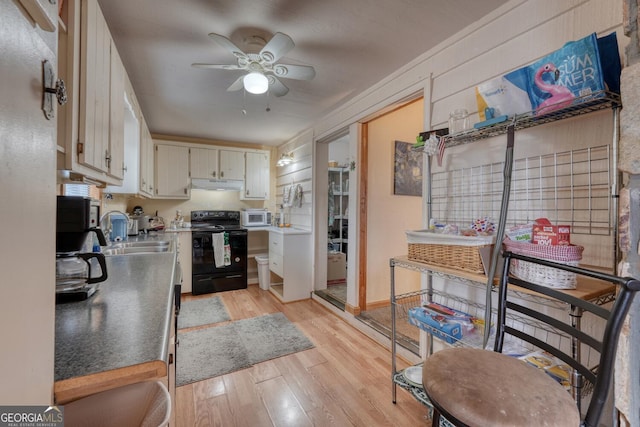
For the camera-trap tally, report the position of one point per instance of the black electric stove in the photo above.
(209, 276)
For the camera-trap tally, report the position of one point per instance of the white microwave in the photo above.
(255, 218)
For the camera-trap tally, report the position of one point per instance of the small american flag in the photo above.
(441, 147)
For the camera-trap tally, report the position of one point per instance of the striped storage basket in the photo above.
(539, 274)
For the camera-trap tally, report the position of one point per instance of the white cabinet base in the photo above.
(292, 256)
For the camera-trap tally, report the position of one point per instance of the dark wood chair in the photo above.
(475, 387)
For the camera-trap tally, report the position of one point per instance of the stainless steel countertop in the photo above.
(126, 322)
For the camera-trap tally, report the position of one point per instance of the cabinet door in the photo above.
(256, 183)
(132, 144)
(95, 62)
(146, 159)
(116, 117)
(204, 163)
(172, 172)
(231, 164)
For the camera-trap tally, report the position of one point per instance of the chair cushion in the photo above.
(485, 388)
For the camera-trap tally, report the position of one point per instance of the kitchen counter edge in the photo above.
(107, 353)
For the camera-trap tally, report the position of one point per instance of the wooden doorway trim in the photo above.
(363, 156)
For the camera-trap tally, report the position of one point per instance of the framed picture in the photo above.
(407, 170)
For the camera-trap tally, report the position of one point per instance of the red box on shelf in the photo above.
(551, 235)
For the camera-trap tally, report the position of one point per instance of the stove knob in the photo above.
(237, 259)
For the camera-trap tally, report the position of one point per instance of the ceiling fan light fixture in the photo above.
(256, 83)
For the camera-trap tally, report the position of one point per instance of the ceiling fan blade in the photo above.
(218, 66)
(298, 72)
(228, 44)
(277, 47)
(237, 85)
(276, 87)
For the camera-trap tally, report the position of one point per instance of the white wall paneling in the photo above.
(300, 171)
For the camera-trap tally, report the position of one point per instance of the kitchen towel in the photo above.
(297, 196)
(217, 240)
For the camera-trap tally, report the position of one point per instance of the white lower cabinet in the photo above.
(290, 258)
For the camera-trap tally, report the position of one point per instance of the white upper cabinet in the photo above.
(256, 182)
(95, 75)
(131, 164)
(172, 172)
(177, 163)
(204, 163)
(91, 125)
(147, 164)
(231, 164)
(115, 161)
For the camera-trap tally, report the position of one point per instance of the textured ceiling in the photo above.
(352, 44)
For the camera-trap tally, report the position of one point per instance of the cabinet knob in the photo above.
(60, 91)
(221, 174)
(51, 87)
(214, 174)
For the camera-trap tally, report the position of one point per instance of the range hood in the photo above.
(216, 184)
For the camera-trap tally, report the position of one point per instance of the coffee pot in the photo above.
(73, 271)
(76, 277)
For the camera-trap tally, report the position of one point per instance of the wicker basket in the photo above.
(540, 274)
(457, 252)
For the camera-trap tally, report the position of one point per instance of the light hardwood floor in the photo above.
(343, 381)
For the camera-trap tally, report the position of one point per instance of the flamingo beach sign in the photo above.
(581, 70)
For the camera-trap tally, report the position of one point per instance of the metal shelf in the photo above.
(585, 105)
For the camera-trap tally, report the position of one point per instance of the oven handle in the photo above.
(177, 283)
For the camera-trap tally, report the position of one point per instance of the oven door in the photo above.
(203, 261)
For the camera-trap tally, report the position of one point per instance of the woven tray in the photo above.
(540, 274)
(457, 252)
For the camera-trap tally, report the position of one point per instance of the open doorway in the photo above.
(334, 235)
(377, 218)
(385, 213)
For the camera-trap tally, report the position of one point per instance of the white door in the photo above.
(28, 194)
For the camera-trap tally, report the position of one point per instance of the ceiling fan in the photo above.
(263, 73)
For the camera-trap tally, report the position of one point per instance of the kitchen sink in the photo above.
(135, 250)
(141, 244)
(143, 247)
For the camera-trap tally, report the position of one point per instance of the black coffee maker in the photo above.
(76, 218)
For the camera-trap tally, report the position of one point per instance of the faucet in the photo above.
(107, 226)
